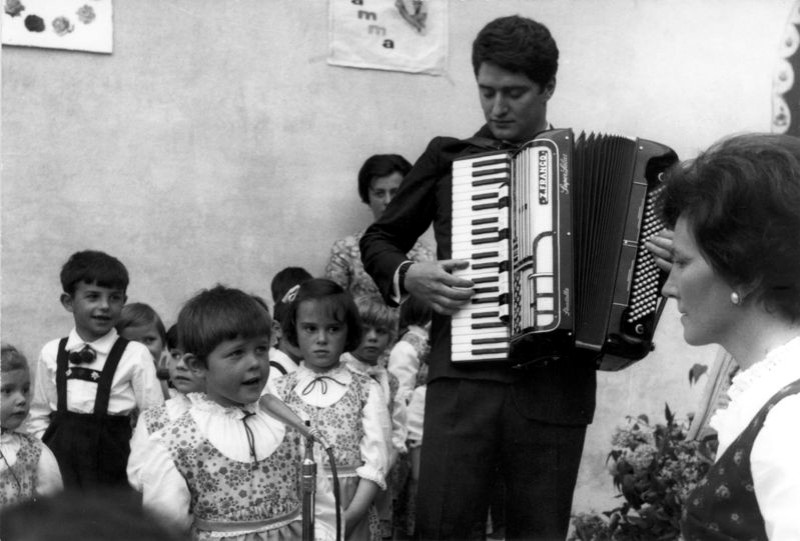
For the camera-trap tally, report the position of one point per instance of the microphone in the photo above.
(276, 408)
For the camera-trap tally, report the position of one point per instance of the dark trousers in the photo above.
(91, 451)
(472, 431)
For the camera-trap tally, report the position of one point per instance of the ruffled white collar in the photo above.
(777, 362)
(202, 403)
(752, 388)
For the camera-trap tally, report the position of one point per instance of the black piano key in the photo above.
(479, 352)
(484, 221)
(479, 315)
(484, 231)
(491, 240)
(481, 290)
(495, 340)
(494, 325)
(485, 279)
(484, 196)
(484, 255)
(482, 266)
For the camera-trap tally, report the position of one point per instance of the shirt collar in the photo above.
(101, 345)
(360, 366)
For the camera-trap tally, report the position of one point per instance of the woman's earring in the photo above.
(735, 299)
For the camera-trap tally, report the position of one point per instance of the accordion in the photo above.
(554, 234)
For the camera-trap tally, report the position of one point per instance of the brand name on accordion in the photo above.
(544, 175)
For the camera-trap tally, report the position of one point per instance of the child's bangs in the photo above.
(334, 307)
(246, 320)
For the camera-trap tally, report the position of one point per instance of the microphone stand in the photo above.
(309, 482)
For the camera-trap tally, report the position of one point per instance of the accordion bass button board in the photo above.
(554, 234)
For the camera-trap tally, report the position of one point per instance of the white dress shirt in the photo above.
(775, 456)
(134, 384)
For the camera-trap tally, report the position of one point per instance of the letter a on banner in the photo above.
(397, 35)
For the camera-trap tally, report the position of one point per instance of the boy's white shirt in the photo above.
(279, 357)
(133, 386)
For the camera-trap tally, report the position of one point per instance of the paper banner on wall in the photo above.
(79, 25)
(398, 35)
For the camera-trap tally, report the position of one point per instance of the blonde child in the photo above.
(379, 326)
(138, 322)
(224, 468)
(347, 407)
(408, 357)
(182, 381)
(28, 468)
(408, 362)
(89, 384)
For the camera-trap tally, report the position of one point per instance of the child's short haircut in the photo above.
(139, 314)
(93, 267)
(374, 313)
(218, 314)
(414, 311)
(172, 337)
(286, 279)
(12, 359)
(336, 301)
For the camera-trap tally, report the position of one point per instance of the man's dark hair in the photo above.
(519, 45)
(93, 267)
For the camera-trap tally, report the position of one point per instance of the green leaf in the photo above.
(696, 371)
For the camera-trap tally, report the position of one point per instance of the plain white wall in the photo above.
(216, 144)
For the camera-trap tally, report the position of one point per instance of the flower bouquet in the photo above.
(654, 468)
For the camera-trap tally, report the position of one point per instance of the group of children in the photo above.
(181, 415)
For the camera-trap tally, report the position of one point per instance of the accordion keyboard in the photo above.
(480, 236)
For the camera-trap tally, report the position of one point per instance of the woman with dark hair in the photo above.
(736, 279)
(378, 181)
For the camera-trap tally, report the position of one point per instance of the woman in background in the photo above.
(378, 181)
(736, 279)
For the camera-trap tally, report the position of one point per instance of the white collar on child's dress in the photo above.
(10, 442)
(356, 364)
(201, 402)
(753, 387)
(101, 345)
(322, 389)
(224, 428)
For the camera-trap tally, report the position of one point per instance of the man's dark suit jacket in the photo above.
(559, 392)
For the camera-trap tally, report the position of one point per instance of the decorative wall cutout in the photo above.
(81, 25)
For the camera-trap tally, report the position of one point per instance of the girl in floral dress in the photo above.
(347, 407)
(27, 467)
(225, 469)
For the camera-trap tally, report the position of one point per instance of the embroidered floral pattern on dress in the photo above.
(154, 418)
(19, 482)
(340, 423)
(346, 269)
(223, 489)
(724, 505)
